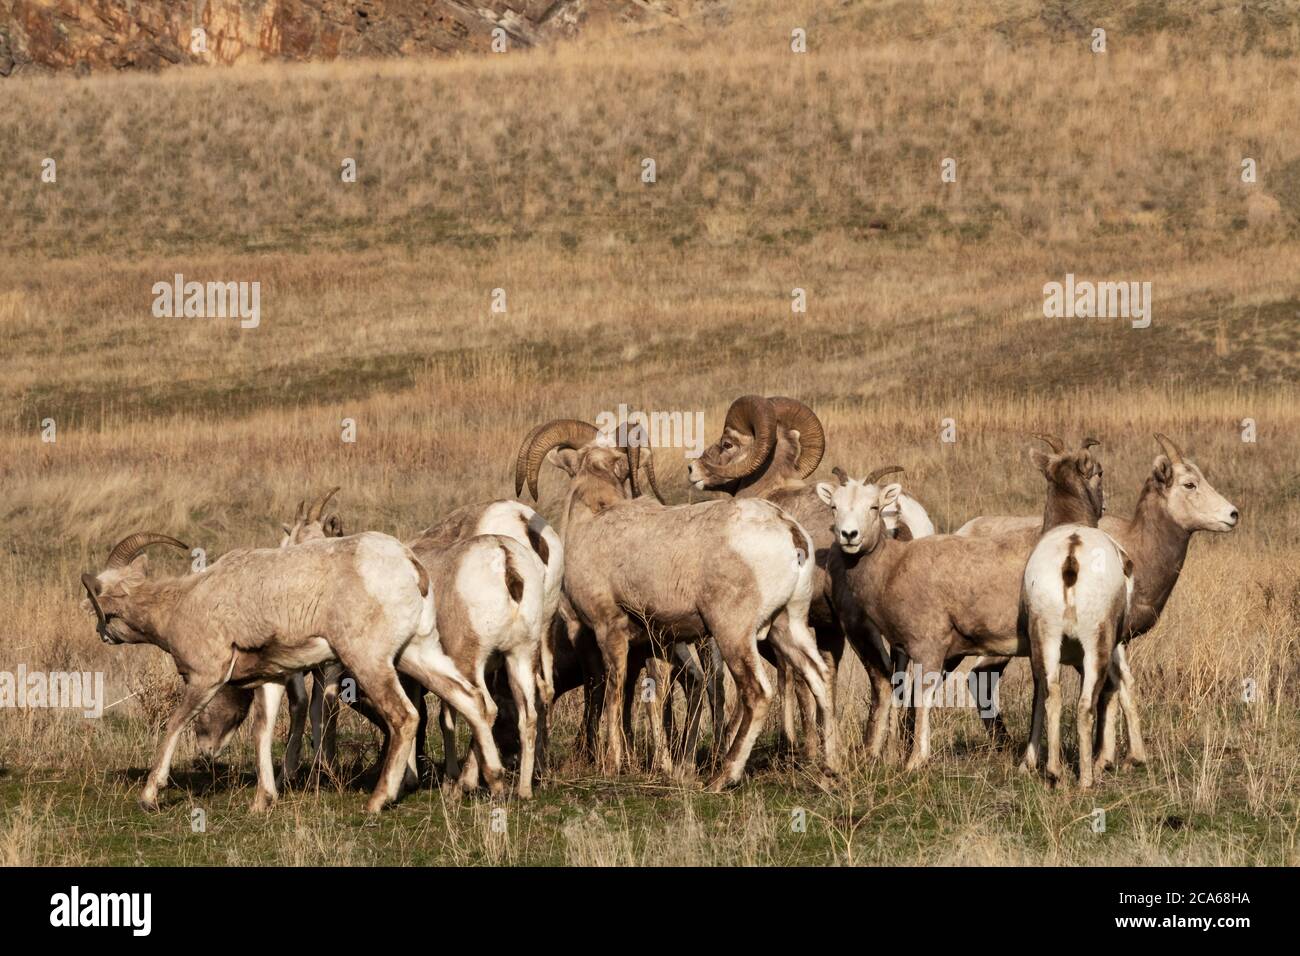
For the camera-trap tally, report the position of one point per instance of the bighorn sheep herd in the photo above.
(493, 610)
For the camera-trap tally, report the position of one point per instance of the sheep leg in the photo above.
(661, 695)
(694, 682)
(450, 759)
(593, 696)
(791, 635)
(1096, 661)
(931, 673)
(269, 697)
(1137, 751)
(196, 695)
(740, 651)
(638, 661)
(716, 688)
(385, 694)
(296, 691)
(333, 679)
(1051, 665)
(614, 638)
(521, 671)
(437, 672)
(1029, 762)
(876, 657)
(993, 723)
(1107, 717)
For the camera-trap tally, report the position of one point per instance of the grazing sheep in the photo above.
(257, 616)
(1075, 593)
(728, 569)
(1175, 502)
(768, 447)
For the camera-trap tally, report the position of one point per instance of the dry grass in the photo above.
(521, 173)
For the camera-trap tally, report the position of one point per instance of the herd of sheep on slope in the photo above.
(492, 609)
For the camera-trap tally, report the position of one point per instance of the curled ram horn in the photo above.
(124, 551)
(753, 415)
(793, 414)
(557, 433)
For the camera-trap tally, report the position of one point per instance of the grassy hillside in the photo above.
(775, 171)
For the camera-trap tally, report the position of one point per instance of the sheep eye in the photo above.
(1190, 486)
(875, 507)
(726, 446)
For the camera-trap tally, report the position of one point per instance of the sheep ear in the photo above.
(565, 459)
(1162, 470)
(140, 562)
(889, 494)
(825, 491)
(287, 529)
(1040, 460)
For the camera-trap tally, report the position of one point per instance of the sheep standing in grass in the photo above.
(258, 616)
(728, 569)
(1076, 591)
(767, 449)
(1175, 502)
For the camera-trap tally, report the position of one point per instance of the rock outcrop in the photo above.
(97, 35)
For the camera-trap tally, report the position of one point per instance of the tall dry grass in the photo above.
(521, 173)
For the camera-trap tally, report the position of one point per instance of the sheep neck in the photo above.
(150, 608)
(1158, 547)
(1066, 506)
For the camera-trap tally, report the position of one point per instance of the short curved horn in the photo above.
(839, 473)
(1052, 441)
(300, 516)
(1170, 448)
(124, 551)
(558, 433)
(315, 513)
(521, 459)
(794, 414)
(1089, 443)
(649, 462)
(879, 473)
(753, 414)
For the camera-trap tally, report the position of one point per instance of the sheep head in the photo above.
(594, 462)
(858, 506)
(1074, 478)
(110, 593)
(309, 523)
(1188, 497)
(780, 437)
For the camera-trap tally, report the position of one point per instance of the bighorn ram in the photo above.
(1075, 593)
(1176, 501)
(257, 616)
(728, 569)
(937, 599)
(768, 447)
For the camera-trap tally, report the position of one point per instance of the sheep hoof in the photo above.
(148, 804)
(718, 784)
(375, 804)
(262, 802)
(1132, 761)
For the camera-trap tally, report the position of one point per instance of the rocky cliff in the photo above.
(95, 35)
